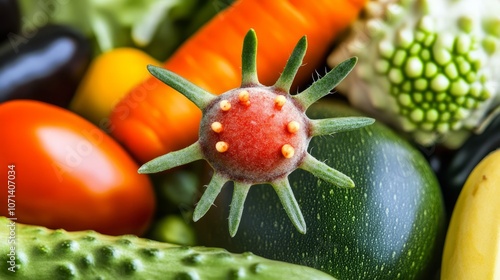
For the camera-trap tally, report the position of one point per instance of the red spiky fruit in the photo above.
(254, 135)
(258, 134)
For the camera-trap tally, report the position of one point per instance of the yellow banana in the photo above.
(472, 246)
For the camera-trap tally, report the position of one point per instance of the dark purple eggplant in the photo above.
(46, 67)
(10, 18)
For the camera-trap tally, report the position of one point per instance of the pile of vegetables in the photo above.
(137, 133)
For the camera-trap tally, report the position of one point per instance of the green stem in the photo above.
(249, 60)
(237, 204)
(334, 125)
(325, 172)
(292, 66)
(197, 95)
(324, 85)
(173, 159)
(209, 196)
(292, 209)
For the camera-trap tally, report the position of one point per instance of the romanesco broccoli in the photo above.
(429, 67)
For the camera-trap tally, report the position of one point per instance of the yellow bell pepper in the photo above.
(472, 246)
(110, 76)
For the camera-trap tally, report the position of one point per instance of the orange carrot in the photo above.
(154, 119)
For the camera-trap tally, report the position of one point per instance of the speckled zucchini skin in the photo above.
(41, 253)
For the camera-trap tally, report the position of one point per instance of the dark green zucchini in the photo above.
(390, 226)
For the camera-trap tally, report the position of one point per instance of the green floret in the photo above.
(431, 68)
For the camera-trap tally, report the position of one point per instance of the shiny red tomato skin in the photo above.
(69, 173)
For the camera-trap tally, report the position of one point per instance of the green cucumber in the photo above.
(389, 226)
(33, 252)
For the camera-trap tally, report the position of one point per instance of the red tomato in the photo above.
(64, 172)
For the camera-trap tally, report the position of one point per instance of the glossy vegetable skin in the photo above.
(472, 247)
(47, 67)
(109, 77)
(10, 18)
(69, 174)
(154, 119)
(391, 225)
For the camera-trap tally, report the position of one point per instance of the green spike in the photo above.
(173, 159)
(249, 60)
(334, 125)
(209, 196)
(292, 66)
(197, 95)
(240, 192)
(325, 172)
(285, 193)
(324, 85)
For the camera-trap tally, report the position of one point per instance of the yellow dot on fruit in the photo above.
(225, 105)
(244, 97)
(293, 127)
(217, 127)
(287, 150)
(279, 101)
(221, 146)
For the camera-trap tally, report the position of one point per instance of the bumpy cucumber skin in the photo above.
(390, 226)
(57, 254)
